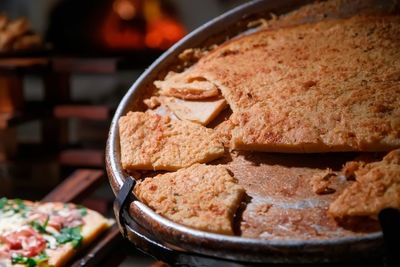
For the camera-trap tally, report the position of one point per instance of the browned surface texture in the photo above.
(322, 10)
(281, 203)
(203, 197)
(154, 142)
(327, 86)
(377, 187)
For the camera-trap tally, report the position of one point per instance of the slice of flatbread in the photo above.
(95, 224)
(201, 112)
(55, 232)
(176, 85)
(153, 142)
(317, 87)
(377, 186)
(202, 197)
(334, 57)
(304, 130)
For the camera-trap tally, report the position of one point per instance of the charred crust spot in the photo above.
(351, 134)
(229, 52)
(259, 45)
(152, 187)
(309, 84)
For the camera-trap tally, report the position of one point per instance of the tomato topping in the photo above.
(24, 241)
(74, 220)
(56, 221)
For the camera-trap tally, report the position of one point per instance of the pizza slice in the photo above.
(45, 234)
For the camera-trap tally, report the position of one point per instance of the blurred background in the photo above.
(64, 67)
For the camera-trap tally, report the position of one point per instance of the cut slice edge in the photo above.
(201, 112)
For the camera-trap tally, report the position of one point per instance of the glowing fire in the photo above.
(137, 24)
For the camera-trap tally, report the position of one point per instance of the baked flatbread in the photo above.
(377, 186)
(201, 112)
(203, 197)
(45, 234)
(328, 86)
(192, 88)
(153, 142)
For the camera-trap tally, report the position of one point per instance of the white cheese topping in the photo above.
(51, 241)
(10, 221)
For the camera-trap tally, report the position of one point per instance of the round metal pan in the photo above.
(181, 238)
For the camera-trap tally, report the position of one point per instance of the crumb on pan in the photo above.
(350, 168)
(320, 183)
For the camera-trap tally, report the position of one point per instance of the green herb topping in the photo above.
(15, 205)
(3, 202)
(82, 210)
(30, 261)
(40, 228)
(72, 235)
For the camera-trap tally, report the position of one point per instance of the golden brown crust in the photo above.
(203, 197)
(377, 187)
(329, 9)
(307, 97)
(154, 142)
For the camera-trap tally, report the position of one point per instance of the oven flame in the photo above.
(139, 24)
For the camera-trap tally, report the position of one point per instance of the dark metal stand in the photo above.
(390, 223)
